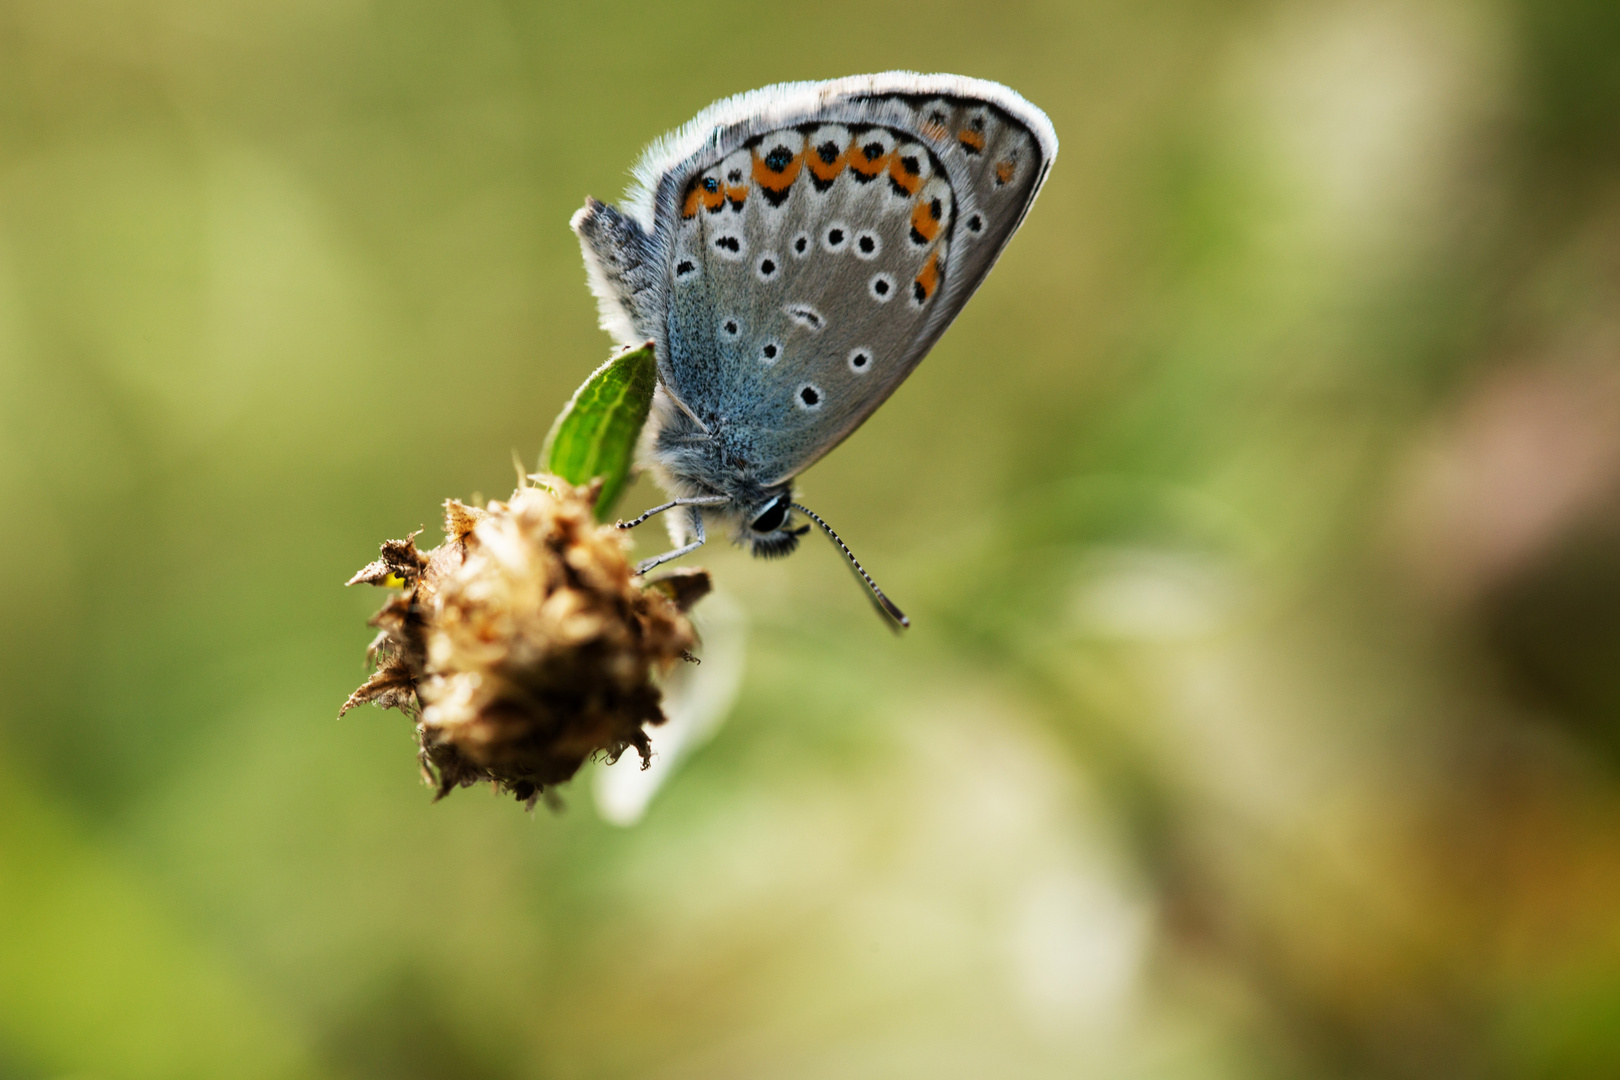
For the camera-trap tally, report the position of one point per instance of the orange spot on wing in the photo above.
(867, 166)
(973, 140)
(699, 196)
(928, 277)
(827, 170)
(911, 182)
(737, 193)
(923, 221)
(934, 131)
(774, 181)
(1005, 170)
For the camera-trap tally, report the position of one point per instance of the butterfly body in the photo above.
(793, 253)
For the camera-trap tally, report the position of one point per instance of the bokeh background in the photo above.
(1259, 520)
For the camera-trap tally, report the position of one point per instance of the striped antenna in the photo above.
(886, 607)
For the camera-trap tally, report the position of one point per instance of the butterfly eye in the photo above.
(773, 518)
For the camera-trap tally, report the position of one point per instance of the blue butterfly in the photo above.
(793, 253)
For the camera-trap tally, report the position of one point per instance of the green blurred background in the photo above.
(1259, 520)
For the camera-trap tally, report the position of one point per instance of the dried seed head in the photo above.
(524, 644)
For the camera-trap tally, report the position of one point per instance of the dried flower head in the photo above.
(525, 643)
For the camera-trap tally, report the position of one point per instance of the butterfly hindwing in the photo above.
(809, 243)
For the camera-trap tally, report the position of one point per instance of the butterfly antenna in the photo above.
(885, 606)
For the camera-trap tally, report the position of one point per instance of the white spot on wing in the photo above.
(734, 171)
(807, 317)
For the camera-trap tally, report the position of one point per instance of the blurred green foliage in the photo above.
(1259, 521)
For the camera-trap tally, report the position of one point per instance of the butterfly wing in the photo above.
(795, 252)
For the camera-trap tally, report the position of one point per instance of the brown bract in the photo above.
(525, 643)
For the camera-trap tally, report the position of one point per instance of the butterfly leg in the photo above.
(699, 500)
(686, 549)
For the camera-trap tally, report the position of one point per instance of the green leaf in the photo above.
(595, 436)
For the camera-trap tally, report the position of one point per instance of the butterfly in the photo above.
(793, 253)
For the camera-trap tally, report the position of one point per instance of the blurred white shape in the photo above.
(1139, 594)
(697, 699)
(1075, 947)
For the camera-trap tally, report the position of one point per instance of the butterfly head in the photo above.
(769, 531)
